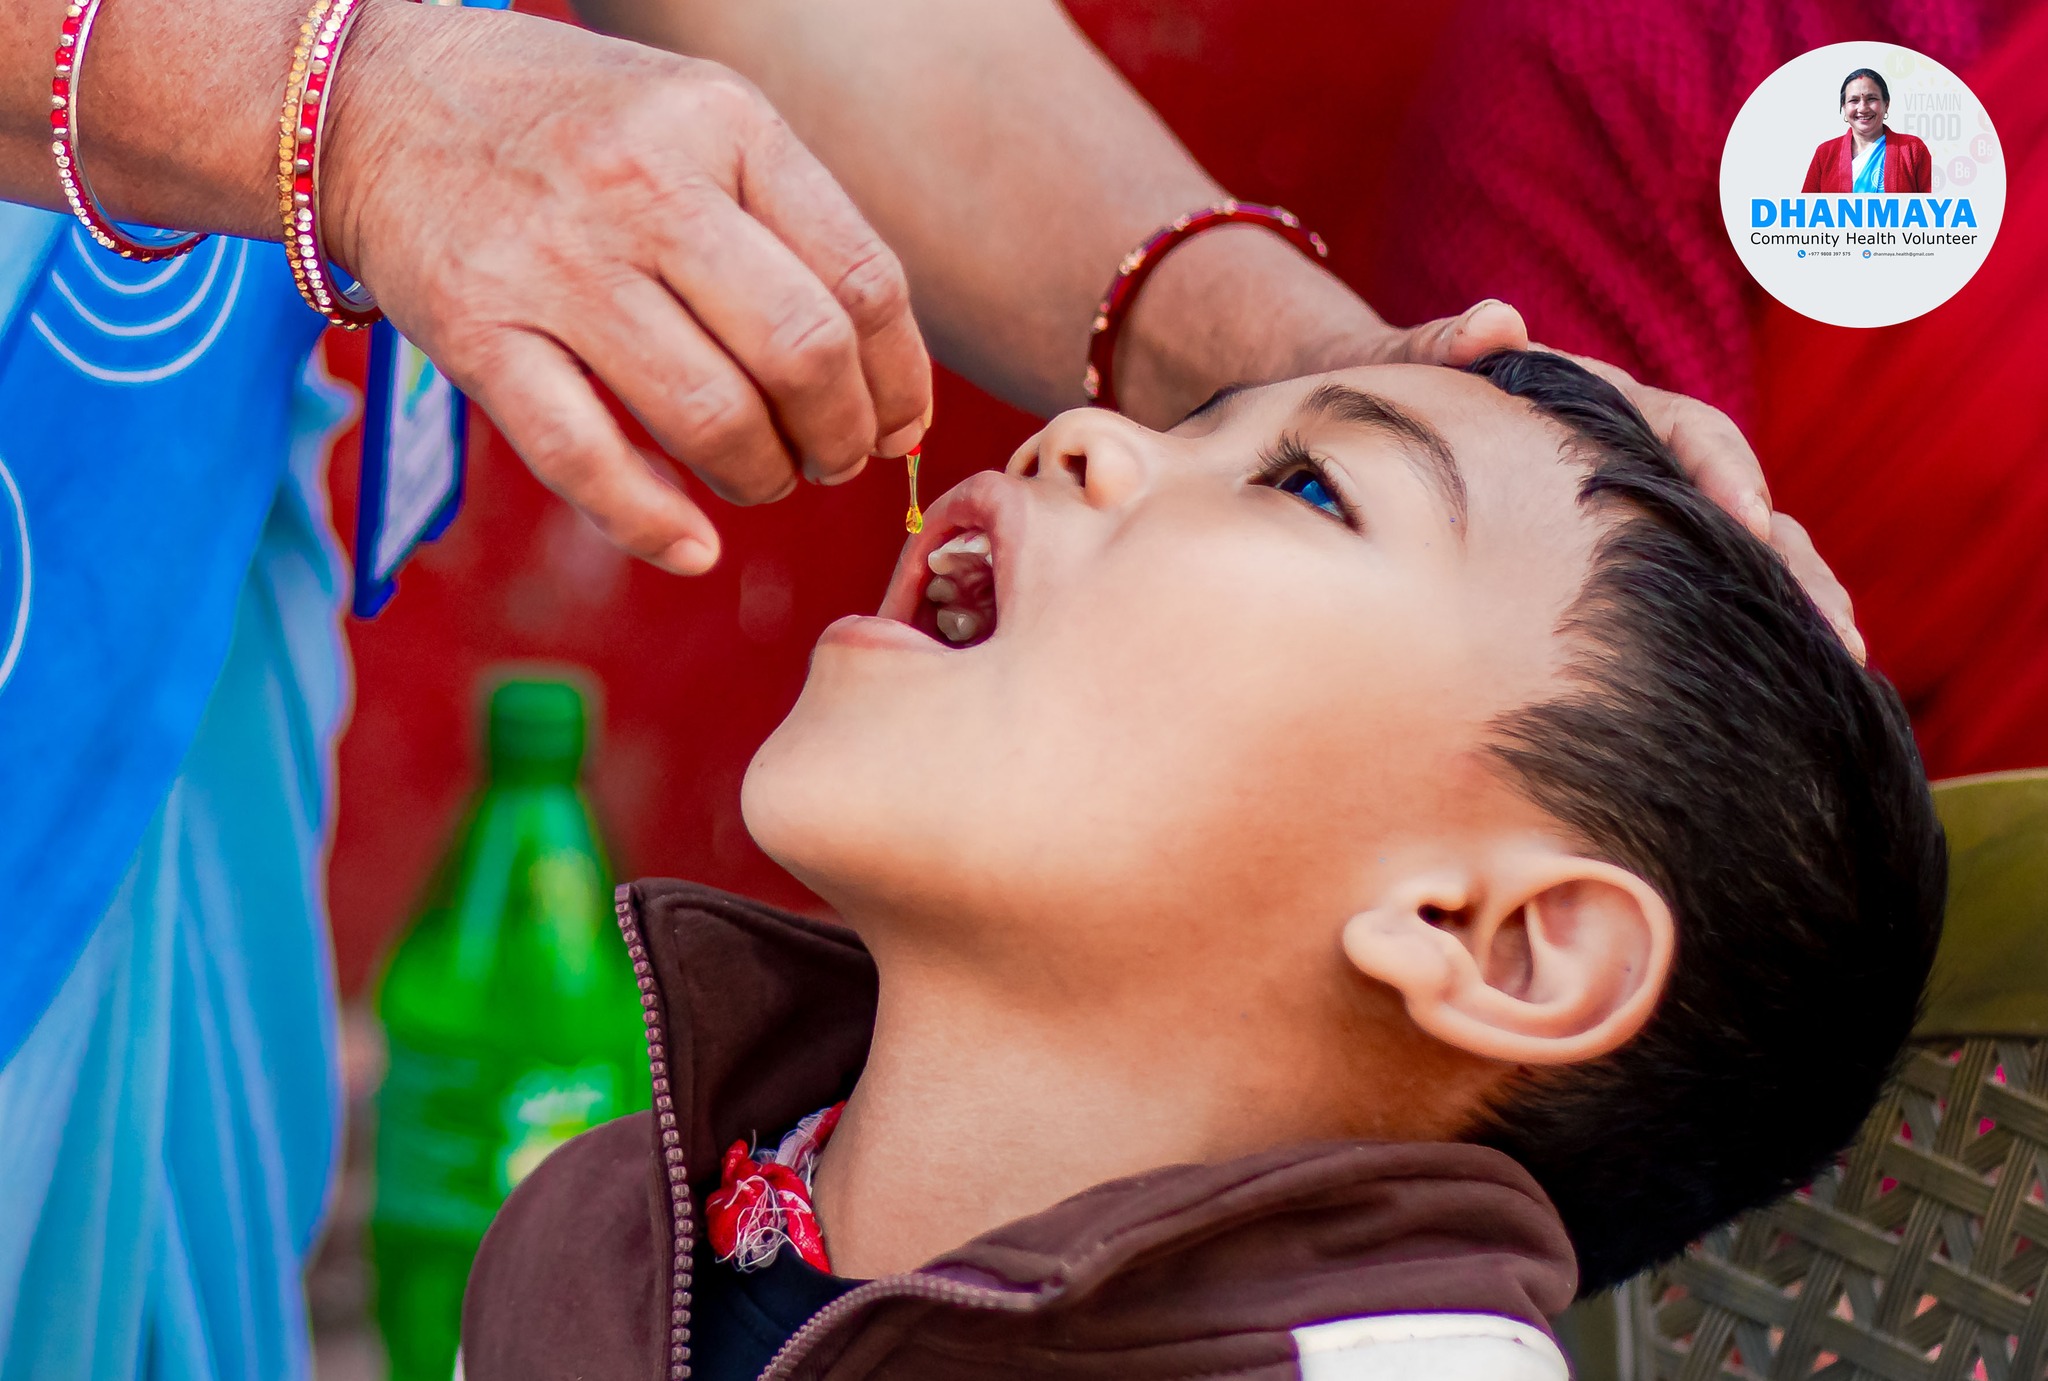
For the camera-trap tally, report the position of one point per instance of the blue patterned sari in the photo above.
(1871, 178)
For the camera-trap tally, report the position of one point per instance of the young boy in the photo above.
(1308, 874)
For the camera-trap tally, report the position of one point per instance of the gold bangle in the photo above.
(300, 128)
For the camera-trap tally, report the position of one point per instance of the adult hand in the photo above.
(1706, 441)
(534, 205)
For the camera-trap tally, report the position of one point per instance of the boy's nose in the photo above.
(1104, 455)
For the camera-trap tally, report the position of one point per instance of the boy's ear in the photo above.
(1533, 956)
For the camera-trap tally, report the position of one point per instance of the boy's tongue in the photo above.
(959, 604)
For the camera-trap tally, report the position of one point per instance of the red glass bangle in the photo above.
(1138, 265)
(301, 124)
(71, 41)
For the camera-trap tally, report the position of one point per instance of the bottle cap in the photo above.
(536, 731)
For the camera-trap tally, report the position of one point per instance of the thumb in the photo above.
(1458, 340)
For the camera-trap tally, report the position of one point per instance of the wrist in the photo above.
(177, 123)
(1236, 305)
(372, 79)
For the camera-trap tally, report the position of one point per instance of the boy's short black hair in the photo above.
(1722, 743)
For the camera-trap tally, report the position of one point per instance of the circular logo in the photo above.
(1862, 184)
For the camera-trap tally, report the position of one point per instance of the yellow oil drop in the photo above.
(913, 521)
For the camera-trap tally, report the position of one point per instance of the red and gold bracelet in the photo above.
(301, 125)
(1138, 265)
(71, 41)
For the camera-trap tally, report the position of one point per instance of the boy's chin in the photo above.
(813, 811)
(776, 804)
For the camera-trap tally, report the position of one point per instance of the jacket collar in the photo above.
(757, 1016)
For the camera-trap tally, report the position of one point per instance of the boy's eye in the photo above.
(1308, 485)
(1292, 468)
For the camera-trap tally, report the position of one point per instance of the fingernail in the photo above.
(1854, 641)
(1472, 314)
(690, 556)
(897, 444)
(1757, 514)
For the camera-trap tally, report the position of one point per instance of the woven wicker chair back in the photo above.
(1922, 1255)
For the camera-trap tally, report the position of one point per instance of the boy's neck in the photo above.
(973, 1113)
(968, 1118)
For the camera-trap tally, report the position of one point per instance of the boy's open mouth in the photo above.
(945, 581)
(959, 603)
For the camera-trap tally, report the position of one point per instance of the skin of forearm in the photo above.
(1236, 305)
(1011, 167)
(177, 109)
(1010, 211)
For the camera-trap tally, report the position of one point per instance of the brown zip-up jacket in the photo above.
(757, 1017)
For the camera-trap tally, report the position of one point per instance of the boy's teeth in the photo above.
(958, 551)
(958, 625)
(962, 570)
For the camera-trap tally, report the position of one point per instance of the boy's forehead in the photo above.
(1495, 446)
(1445, 396)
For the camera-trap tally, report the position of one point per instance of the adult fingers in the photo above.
(1709, 446)
(897, 444)
(794, 339)
(1790, 540)
(1719, 459)
(1459, 340)
(785, 186)
(1713, 451)
(686, 391)
(1706, 440)
(534, 391)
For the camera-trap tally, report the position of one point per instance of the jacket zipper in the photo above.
(910, 1285)
(681, 1214)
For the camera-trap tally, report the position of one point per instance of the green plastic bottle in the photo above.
(511, 1017)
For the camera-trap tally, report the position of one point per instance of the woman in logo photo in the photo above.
(1870, 157)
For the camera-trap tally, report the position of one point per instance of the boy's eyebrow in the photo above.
(1423, 444)
(1214, 402)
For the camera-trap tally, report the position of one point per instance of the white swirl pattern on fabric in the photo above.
(120, 322)
(129, 287)
(16, 568)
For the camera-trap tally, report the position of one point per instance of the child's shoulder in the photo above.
(565, 1280)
